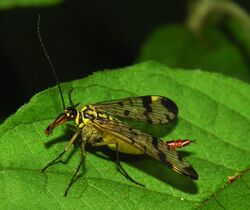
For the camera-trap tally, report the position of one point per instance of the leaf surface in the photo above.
(214, 50)
(213, 110)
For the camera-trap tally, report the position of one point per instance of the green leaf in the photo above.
(7, 4)
(213, 110)
(176, 46)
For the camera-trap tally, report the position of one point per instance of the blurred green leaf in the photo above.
(7, 4)
(213, 110)
(215, 51)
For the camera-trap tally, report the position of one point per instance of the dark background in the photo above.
(81, 36)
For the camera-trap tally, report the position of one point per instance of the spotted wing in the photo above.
(152, 109)
(148, 144)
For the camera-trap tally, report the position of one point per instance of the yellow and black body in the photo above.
(99, 125)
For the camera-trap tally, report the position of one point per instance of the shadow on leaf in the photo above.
(152, 167)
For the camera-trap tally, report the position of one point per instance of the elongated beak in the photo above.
(59, 120)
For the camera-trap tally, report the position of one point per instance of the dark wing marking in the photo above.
(152, 109)
(149, 145)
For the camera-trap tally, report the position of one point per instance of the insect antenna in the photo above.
(49, 60)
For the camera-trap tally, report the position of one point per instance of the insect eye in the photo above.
(71, 113)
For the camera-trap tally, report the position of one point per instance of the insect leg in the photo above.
(72, 140)
(119, 165)
(73, 179)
